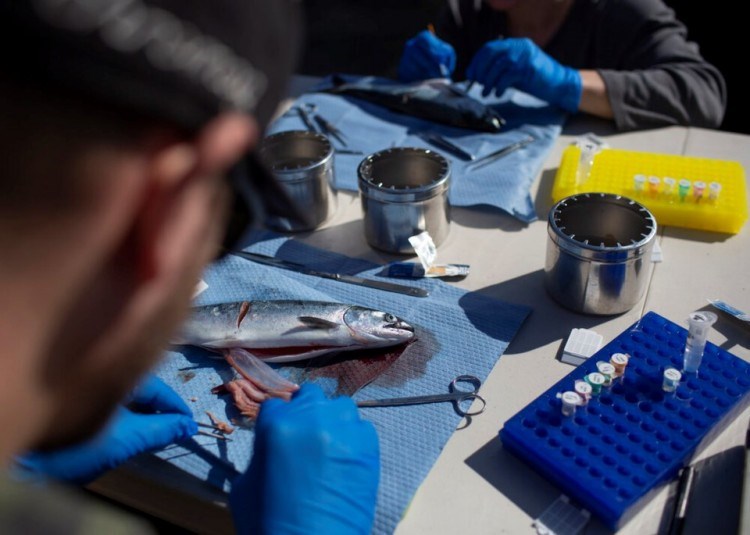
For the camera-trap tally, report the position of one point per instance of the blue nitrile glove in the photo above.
(128, 433)
(315, 469)
(426, 56)
(519, 63)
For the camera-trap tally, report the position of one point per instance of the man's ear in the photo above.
(183, 180)
(165, 219)
(169, 167)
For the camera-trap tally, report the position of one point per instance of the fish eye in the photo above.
(390, 318)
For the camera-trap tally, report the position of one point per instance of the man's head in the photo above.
(116, 133)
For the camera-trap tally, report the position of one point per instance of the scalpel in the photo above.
(351, 279)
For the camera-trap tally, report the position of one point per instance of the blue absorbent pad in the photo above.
(461, 333)
(634, 436)
(504, 184)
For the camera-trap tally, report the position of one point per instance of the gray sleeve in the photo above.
(660, 77)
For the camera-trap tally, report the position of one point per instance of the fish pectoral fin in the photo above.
(317, 323)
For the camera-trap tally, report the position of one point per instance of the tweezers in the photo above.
(493, 156)
(306, 118)
(350, 279)
(328, 128)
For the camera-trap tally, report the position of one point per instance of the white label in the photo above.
(605, 368)
(583, 388)
(596, 378)
(672, 374)
(620, 359)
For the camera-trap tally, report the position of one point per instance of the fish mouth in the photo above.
(403, 329)
(401, 326)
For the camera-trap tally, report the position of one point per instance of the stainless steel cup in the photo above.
(404, 192)
(302, 162)
(599, 252)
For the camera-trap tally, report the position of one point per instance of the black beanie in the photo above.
(179, 60)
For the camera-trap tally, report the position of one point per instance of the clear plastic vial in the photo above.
(570, 400)
(607, 370)
(671, 380)
(669, 186)
(638, 182)
(699, 325)
(714, 189)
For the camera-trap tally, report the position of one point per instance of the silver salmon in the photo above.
(287, 331)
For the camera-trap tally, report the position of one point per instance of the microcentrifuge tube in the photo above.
(586, 161)
(620, 362)
(638, 182)
(607, 370)
(671, 380)
(698, 188)
(653, 185)
(669, 188)
(596, 380)
(570, 400)
(583, 389)
(683, 187)
(699, 324)
(714, 188)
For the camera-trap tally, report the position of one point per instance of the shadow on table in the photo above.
(736, 332)
(548, 320)
(519, 482)
(486, 217)
(703, 236)
(513, 478)
(543, 202)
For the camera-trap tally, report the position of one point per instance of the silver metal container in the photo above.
(599, 252)
(302, 162)
(404, 192)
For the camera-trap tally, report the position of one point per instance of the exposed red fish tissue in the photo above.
(247, 406)
(351, 374)
(220, 425)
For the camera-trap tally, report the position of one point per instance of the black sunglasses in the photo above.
(257, 197)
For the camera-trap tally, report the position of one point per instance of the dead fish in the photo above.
(432, 100)
(287, 331)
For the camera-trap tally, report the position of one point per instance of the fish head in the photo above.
(375, 328)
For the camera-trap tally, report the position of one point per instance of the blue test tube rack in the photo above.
(614, 452)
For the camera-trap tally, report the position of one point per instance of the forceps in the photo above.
(457, 396)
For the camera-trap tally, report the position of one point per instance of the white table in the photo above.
(475, 486)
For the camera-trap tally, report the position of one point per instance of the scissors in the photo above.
(457, 395)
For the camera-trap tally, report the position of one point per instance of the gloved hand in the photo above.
(128, 433)
(315, 469)
(426, 56)
(521, 64)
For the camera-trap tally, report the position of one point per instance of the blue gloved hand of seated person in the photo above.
(519, 63)
(162, 419)
(315, 469)
(426, 56)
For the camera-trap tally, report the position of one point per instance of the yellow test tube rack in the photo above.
(698, 193)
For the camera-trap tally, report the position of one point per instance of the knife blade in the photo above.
(350, 279)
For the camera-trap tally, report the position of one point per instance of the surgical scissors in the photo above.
(458, 396)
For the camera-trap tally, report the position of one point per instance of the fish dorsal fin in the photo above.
(317, 323)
